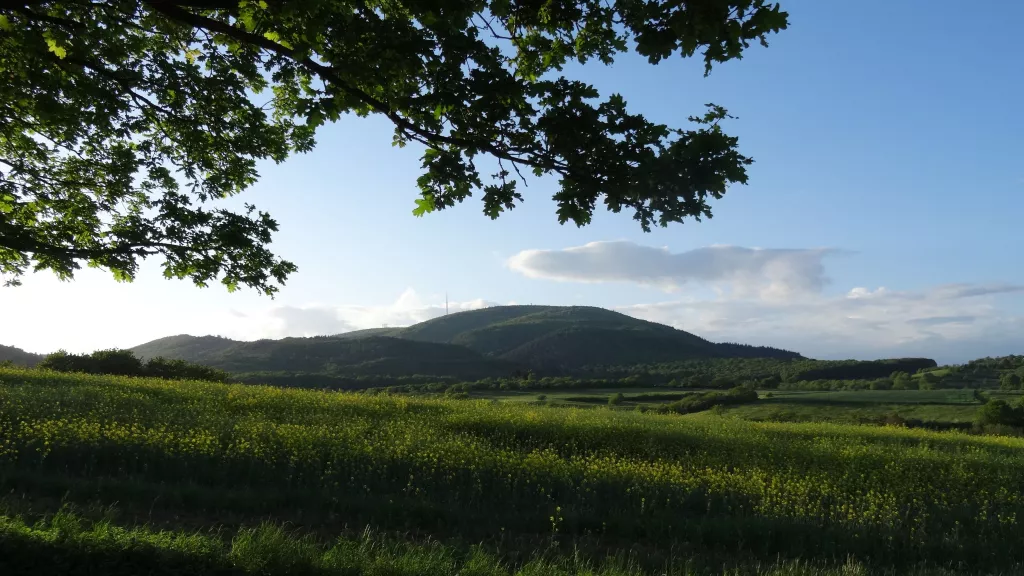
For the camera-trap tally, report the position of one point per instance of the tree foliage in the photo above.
(997, 412)
(1010, 381)
(125, 121)
(125, 363)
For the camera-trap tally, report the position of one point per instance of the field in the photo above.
(126, 476)
(951, 408)
(584, 396)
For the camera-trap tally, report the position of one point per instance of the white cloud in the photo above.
(953, 322)
(767, 273)
(949, 323)
(94, 312)
(409, 308)
(774, 297)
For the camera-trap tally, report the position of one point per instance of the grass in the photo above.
(69, 544)
(145, 476)
(783, 410)
(947, 407)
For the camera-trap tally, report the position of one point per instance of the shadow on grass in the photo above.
(24, 555)
(656, 540)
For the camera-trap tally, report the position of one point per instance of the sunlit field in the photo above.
(145, 475)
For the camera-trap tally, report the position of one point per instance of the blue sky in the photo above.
(888, 133)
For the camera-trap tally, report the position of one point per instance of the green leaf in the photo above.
(56, 48)
(125, 177)
(423, 206)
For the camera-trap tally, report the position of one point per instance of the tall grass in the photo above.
(581, 485)
(68, 544)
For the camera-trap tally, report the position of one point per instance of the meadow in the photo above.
(956, 408)
(130, 475)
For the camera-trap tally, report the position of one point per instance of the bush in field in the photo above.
(63, 361)
(125, 363)
(699, 402)
(1010, 381)
(180, 370)
(1000, 413)
(903, 381)
(117, 363)
(881, 384)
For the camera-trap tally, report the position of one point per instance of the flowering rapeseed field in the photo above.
(189, 455)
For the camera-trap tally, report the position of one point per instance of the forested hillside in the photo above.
(339, 356)
(19, 357)
(493, 342)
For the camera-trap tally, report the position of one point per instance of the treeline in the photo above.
(125, 363)
(895, 381)
(855, 370)
(747, 351)
(724, 373)
(336, 382)
(1012, 362)
(428, 383)
(699, 402)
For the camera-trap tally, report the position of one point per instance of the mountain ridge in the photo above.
(494, 341)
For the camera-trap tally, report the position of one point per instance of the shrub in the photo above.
(699, 402)
(1010, 381)
(63, 361)
(116, 362)
(881, 384)
(181, 370)
(999, 413)
(125, 363)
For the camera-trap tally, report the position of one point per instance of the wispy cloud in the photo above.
(768, 273)
(951, 323)
(319, 319)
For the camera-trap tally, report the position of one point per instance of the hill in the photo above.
(19, 357)
(570, 337)
(495, 342)
(334, 355)
(201, 349)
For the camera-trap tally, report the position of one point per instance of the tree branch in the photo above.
(174, 11)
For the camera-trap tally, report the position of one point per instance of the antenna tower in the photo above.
(445, 303)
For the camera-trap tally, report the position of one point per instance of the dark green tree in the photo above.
(1010, 381)
(903, 381)
(64, 361)
(123, 121)
(999, 412)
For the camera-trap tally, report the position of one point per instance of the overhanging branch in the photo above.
(174, 11)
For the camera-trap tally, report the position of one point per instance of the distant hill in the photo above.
(200, 349)
(573, 336)
(19, 357)
(474, 344)
(341, 356)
